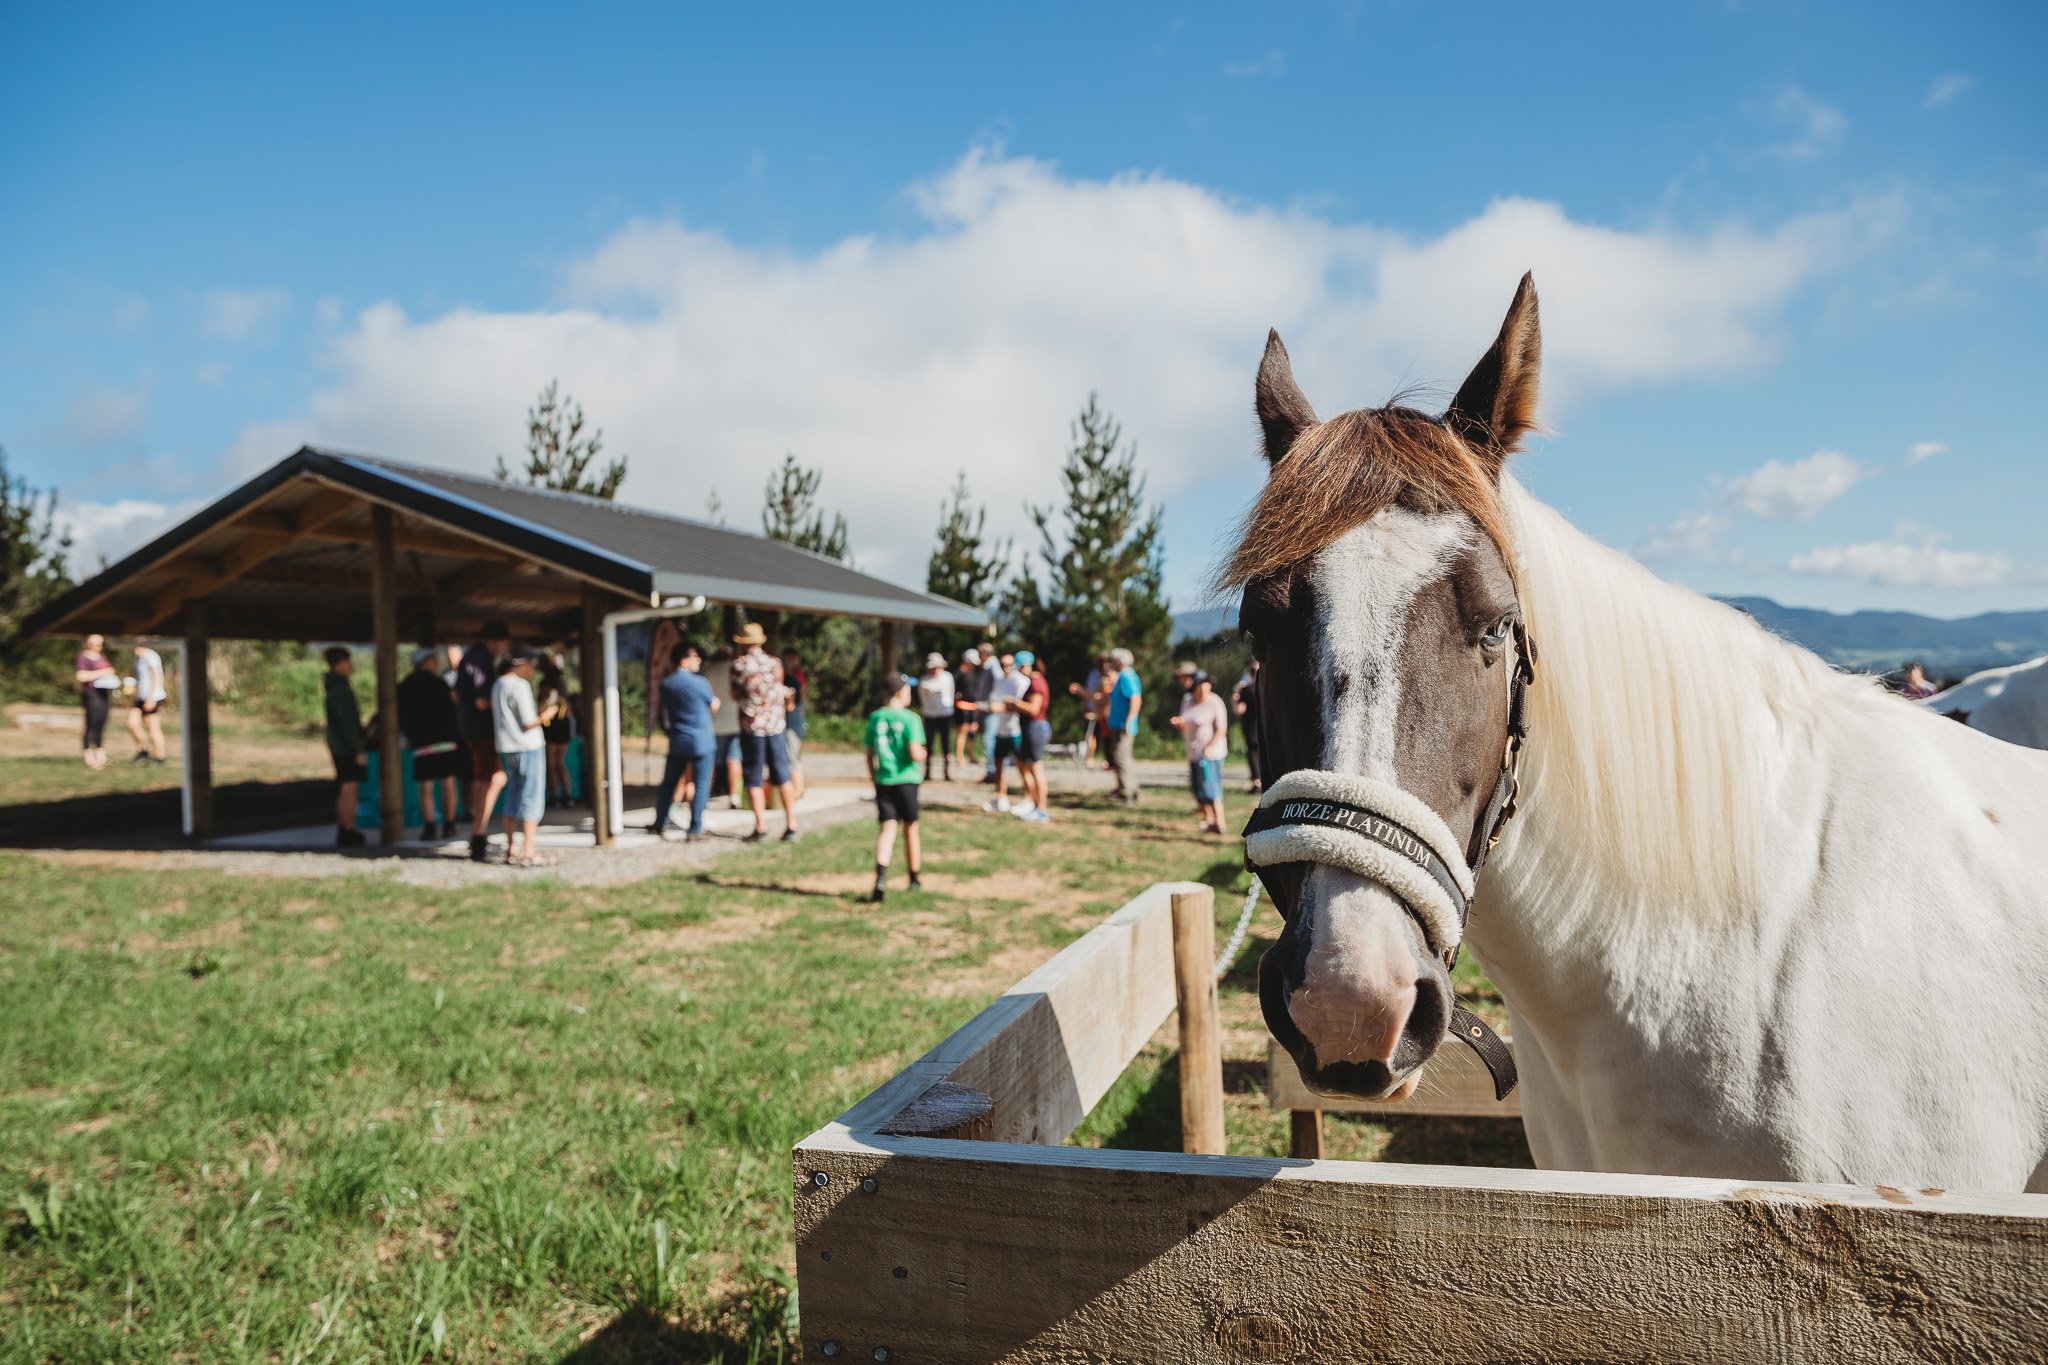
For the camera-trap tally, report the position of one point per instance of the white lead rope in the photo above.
(1237, 935)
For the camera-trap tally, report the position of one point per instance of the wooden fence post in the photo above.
(1201, 1034)
(384, 625)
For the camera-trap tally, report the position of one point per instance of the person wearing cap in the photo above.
(475, 677)
(426, 718)
(935, 697)
(757, 687)
(517, 724)
(1204, 725)
(1123, 698)
(894, 743)
(1033, 712)
(966, 720)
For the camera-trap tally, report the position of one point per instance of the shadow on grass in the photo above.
(640, 1337)
(777, 888)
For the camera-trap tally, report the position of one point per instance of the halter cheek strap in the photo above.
(1384, 833)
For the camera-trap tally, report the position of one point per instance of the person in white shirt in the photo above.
(1006, 728)
(517, 724)
(935, 696)
(145, 715)
(725, 724)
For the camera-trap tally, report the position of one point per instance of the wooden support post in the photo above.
(888, 649)
(1305, 1137)
(598, 776)
(771, 626)
(384, 628)
(198, 723)
(728, 623)
(1201, 1032)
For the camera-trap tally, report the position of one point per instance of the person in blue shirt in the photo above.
(687, 703)
(1124, 702)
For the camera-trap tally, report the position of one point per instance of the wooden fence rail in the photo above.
(917, 1248)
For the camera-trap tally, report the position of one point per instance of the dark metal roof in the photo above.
(560, 539)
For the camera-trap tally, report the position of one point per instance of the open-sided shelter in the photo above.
(333, 546)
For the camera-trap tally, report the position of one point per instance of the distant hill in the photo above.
(1877, 641)
(1868, 641)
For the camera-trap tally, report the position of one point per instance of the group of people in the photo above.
(494, 716)
(757, 737)
(144, 687)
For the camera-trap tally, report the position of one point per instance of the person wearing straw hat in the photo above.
(758, 688)
(935, 697)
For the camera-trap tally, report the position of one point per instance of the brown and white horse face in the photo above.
(1386, 655)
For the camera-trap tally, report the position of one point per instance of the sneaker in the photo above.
(1023, 810)
(915, 883)
(349, 838)
(998, 807)
(1037, 817)
(756, 837)
(695, 836)
(479, 848)
(880, 891)
(141, 756)
(790, 836)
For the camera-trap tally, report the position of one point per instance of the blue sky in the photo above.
(1793, 258)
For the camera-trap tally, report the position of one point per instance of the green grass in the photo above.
(245, 1118)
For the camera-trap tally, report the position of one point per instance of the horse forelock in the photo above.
(1341, 473)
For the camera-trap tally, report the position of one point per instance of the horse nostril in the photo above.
(1427, 1022)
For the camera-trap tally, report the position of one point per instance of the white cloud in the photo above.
(1274, 63)
(1814, 128)
(1924, 450)
(1688, 537)
(968, 343)
(1916, 558)
(241, 314)
(1783, 492)
(1946, 89)
(114, 529)
(105, 414)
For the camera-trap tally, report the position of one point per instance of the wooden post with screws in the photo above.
(1201, 1031)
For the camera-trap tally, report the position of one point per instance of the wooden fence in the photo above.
(938, 1221)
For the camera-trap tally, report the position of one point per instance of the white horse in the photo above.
(2009, 703)
(1755, 918)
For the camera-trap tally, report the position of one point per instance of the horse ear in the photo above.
(1283, 410)
(1496, 405)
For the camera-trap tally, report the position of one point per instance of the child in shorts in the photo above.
(895, 745)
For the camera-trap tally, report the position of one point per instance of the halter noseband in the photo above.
(1382, 832)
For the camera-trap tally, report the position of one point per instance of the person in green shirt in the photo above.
(345, 744)
(895, 751)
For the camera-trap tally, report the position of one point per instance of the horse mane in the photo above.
(1660, 720)
(1343, 472)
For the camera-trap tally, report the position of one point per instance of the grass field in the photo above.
(245, 1118)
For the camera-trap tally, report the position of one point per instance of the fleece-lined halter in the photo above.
(1387, 835)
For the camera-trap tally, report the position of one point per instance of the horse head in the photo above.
(1379, 596)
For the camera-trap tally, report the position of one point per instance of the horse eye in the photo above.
(1496, 636)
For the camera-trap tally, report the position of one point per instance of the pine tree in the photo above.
(559, 455)
(1102, 561)
(34, 553)
(964, 565)
(839, 653)
(789, 511)
(34, 570)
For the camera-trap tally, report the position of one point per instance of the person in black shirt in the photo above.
(474, 678)
(426, 717)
